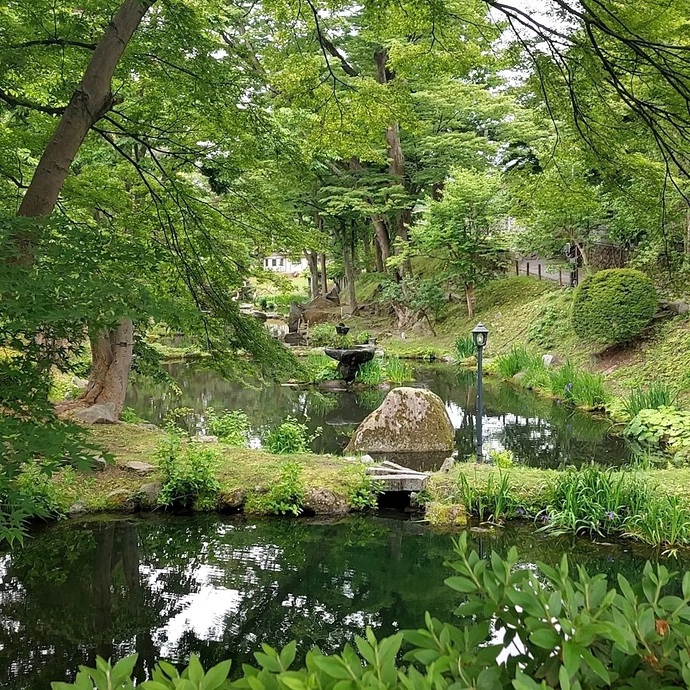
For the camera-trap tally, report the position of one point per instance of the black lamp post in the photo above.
(480, 335)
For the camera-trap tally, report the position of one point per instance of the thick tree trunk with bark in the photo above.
(111, 361)
(90, 101)
(396, 167)
(313, 261)
(378, 256)
(382, 238)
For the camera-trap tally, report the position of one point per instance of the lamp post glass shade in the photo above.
(480, 334)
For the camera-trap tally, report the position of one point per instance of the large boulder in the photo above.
(320, 310)
(409, 420)
(102, 413)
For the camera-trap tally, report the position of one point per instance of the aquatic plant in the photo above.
(464, 347)
(564, 629)
(502, 458)
(316, 367)
(397, 370)
(578, 387)
(232, 426)
(284, 496)
(371, 373)
(129, 416)
(517, 359)
(188, 473)
(492, 503)
(292, 436)
(657, 394)
(592, 500)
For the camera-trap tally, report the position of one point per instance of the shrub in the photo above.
(464, 347)
(232, 426)
(286, 494)
(322, 335)
(371, 373)
(290, 437)
(130, 416)
(188, 474)
(502, 458)
(613, 306)
(563, 629)
(657, 395)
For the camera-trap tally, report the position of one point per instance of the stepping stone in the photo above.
(140, 468)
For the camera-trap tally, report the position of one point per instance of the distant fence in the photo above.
(537, 269)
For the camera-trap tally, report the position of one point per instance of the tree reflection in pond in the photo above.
(220, 587)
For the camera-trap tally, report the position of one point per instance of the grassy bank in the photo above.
(536, 314)
(651, 506)
(240, 473)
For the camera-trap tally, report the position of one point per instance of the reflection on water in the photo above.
(221, 587)
(539, 432)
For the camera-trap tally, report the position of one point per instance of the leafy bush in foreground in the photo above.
(561, 630)
(613, 306)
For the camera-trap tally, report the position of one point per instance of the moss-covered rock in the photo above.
(446, 514)
(409, 420)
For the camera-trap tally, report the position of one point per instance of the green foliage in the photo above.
(574, 630)
(315, 368)
(421, 295)
(502, 458)
(285, 495)
(379, 370)
(363, 494)
(491, 503)
(188, 474)
(397, 370)
(657, 394)
(579, 387)
(232, 426)
(614, 306)
(130, 416)
(596, 501)
(666, 427)
(325, 335)
(290, 437)
(371, 373)
(464, 347)
(518, 359)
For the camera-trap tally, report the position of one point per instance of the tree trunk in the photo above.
(380, 268)
(349, 270)
(90, 101)
(313, 261)
(396, 167)
(324, 277)
(383, 239)
(111, 357)
(469, 296)
(366, 245)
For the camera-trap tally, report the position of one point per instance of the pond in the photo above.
(220, 586)
(539, 432)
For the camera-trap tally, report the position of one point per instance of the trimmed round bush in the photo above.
(613, 306)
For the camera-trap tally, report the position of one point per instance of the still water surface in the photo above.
(166, 587)
(539, 432)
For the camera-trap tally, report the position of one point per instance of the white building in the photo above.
(279, 263)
